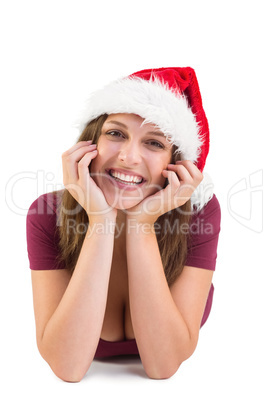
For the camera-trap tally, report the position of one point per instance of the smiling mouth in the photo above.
(131, 180)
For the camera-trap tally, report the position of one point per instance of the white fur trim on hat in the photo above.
(203, 193)
(156, 103)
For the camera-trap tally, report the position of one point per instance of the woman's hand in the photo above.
(183, 178)
(77, 180)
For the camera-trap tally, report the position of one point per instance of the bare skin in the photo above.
(121, 293)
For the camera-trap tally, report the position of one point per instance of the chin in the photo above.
(123, 204)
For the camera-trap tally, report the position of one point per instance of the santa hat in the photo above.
(168, 98)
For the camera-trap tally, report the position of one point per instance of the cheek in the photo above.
(157, 165)
(106, 148)
(157, 168)
(103, 151)
(94, 166)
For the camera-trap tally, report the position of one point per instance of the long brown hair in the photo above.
(172, 241)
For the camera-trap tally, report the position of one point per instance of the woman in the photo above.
(126, 265)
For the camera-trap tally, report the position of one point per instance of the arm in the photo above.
(69, 310)
(166, 321)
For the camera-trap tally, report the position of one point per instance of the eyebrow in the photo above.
(117, 122)
(158, 133)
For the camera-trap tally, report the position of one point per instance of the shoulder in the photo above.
(211, 212)
(43, 213)
(213, 205)
(42, 231)
(46, 204)
(203, 236)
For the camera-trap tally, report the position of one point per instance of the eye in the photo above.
(114, 133)
(156, 144)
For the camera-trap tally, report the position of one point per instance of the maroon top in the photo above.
(43, 251)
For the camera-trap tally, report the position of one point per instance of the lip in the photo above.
(128, 187)
(126, 172)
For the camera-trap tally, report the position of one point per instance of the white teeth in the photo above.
(126, 178)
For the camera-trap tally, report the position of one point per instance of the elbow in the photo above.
(68, 374)
(67, 370)
(69, 378)
(68, 366)
(164, 370)
(162, 373)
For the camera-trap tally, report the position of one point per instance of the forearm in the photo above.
(161, 333)
(71, 335)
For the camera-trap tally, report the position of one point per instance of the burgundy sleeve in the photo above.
(204, 235)
(41, 233)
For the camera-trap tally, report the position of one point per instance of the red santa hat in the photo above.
(166, 97)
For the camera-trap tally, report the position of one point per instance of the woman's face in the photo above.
(130, 160)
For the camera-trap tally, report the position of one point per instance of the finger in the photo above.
(83, 164)
(179, 194)
(78, 154)
(187, 185)
(173, 180)
(70, 161)
(182, 172)
(76, 146)
(192, 169)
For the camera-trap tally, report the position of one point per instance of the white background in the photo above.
(53, 54)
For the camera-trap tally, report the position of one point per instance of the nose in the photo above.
(130, 154)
